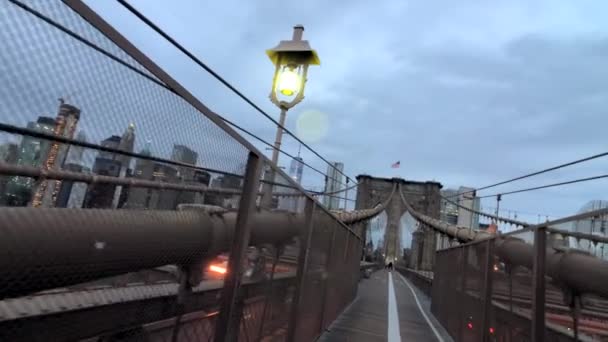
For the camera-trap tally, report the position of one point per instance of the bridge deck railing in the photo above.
(477, 294)
(118, 199)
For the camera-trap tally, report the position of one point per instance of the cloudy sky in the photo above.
(464, 93)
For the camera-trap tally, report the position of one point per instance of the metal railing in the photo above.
(102, 242)
(522, 286)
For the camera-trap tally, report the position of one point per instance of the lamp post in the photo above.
(291, 59)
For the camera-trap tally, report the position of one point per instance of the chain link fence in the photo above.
(477, 295)
(124, 198)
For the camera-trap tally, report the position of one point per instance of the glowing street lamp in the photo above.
(291, 59)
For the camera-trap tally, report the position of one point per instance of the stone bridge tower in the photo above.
(424, 197)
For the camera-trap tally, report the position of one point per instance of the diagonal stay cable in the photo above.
(580, 180)
(553, 168)
(200, 63)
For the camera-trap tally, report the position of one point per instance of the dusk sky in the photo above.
(464, 93)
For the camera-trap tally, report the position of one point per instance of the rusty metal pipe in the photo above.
(579, 270)
(48, 248)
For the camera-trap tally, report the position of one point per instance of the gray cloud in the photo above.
(466, 93)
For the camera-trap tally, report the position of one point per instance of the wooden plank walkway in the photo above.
(383, 314)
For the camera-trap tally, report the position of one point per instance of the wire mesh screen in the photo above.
(477, 295)
(464, 297)
(512, 296)
(569, 314)
(85, 126)
(447, 289)
(314, 278)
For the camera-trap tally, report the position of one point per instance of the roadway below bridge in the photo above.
(388, 308)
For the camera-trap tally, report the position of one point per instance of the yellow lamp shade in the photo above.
(288, 82)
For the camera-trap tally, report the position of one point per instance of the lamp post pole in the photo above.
(270, 175)
(279, 136)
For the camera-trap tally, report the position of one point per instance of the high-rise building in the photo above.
(293, 204)
(111, 142)
(449, 211)
(127, 144)
(467, 200)
(457, 214)
(32, 152)
(296, 169)
(333, 183)
(75, 153)
(146, 198)
(189, 176)
(106, 164)
(70, 188)
(8, 155)
(155, 198)
(101, 195)
(184, 154)
(225, 200)
(71, 194)
(65, 126)
(594, 226)
(112, 164)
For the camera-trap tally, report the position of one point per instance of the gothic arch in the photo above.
(422, 196)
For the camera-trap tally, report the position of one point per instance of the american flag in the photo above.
(396, 165)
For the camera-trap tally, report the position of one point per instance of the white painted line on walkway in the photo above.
(394, 334)
(439, 338)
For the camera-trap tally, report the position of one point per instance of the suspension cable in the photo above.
(578, 161)
(580, 180)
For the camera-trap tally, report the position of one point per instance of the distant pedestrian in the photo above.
(390, 266)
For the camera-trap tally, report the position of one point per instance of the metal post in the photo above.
(498, 198)
(576, 313)
(184, 290)
(487, 290)
(277, 255)
(509, 274)
(227, 326)
(303, 260)
(463, 296)
(346, 195)
(329, 263)
(279, 136)
(538, 284)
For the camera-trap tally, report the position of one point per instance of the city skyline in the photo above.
(46, 154)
